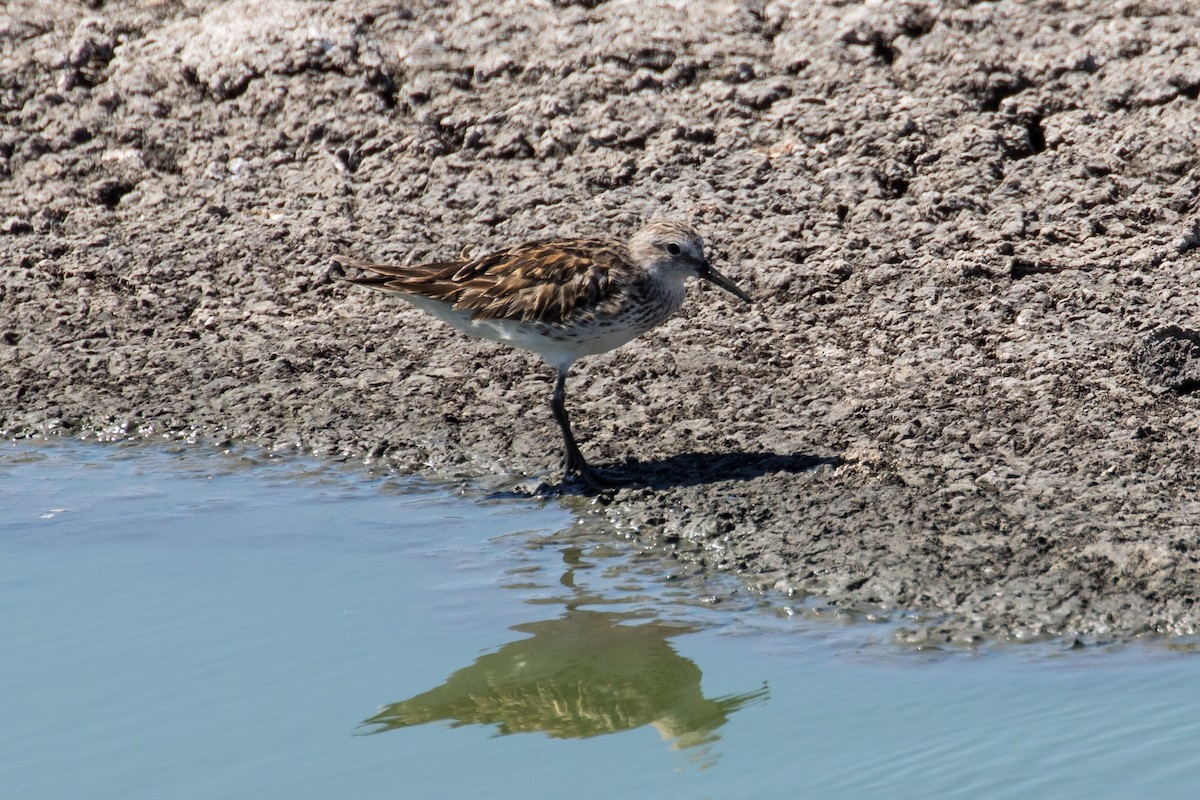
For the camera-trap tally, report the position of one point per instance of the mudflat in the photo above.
(967, 388)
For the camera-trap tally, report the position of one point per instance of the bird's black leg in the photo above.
(576, 465)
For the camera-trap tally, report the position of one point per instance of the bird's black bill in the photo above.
(712, 276)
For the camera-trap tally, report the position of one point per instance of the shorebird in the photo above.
(559, 298)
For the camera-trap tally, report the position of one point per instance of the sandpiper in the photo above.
(559, 298)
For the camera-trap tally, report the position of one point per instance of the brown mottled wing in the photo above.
(549, 280)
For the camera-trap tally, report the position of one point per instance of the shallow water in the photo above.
(184, 623)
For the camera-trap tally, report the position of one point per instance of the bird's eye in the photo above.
(673, 249)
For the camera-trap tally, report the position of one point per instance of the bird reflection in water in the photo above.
(584, 674)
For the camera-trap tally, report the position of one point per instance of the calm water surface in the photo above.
(180, 623)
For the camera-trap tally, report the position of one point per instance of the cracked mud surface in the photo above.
(968, 227)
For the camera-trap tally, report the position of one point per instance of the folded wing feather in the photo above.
(549, 281)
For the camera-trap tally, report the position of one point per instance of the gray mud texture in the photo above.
(967, 389)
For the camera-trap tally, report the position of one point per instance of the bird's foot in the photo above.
(589, 479)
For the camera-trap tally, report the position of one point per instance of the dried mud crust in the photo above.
(969, 228)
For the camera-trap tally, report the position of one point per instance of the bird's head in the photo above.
(673, 250)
